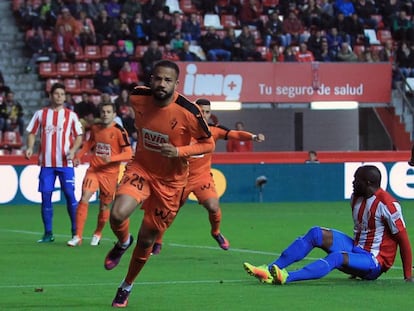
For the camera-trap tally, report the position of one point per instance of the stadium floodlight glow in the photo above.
(226, 105)
(334, 105)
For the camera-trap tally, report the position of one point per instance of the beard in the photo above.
(161, 94)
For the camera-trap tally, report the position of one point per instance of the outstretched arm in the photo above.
(405, 253)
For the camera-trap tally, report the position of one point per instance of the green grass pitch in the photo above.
(192, 272)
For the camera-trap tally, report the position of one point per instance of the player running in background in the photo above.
(110, 145)
(201, 182)
(166, 122)
(379, 230)
(60, 137)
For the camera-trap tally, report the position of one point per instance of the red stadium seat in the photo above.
(87, 86)
(358, 49)
(11, 140)
(92, 52)
(229, 20)
(64, 70)
(50, 82)
(82, 70)
(384, 35)
(139, 51)
(72, 86)
(107, 49)
(188, 7)
(47, 70)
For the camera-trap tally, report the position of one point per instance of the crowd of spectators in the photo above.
(261, 30)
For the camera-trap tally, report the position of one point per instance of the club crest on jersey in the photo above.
(152, 140)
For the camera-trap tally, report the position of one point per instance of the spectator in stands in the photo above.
(104, 79)
(121, 27)
(230, 43)
(11, 114)
(248, 45)
(402, 27)
(47, 16)
(151, 8)
(4, 89)
(76, 7)
(103, 28)
(289, 54)
(126, 114)
(87, 112)
(139, 31)
(387, 54)
(127, 76)
(170, 54)
(87, 34)
(346, 7)
(151, 56)
(213, 46)
(312, 157)
(345, 53)
(273, 30)
(177, 41)
(275, 55)
(70, 102)
(29, 14)
(311, 14)
(186, 55)
(334, 40)
(113, 7)
(365, 9)
(315, 41)
(118, 57)
(39, 49)
(304, 55)
(205, 6)
(293, 29)
(132, 7)
(234, 145)
(405, 60)
(69, 23)
(161, 28)
(327, 13)
(325, 54)
(191, 28)
(64, 44)
(177, 21)
(250, 12)
(355, 29)
(389, 10)
(342, 26)
(94, 9)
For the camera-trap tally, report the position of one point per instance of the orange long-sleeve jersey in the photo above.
(179, 123)
(110, 141)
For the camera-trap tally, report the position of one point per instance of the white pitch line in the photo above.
(238, 250)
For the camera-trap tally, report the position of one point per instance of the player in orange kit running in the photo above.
(200, 180)
(110, 145)
(166, 123)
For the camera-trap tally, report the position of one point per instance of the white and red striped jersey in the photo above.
(376, 220)
(58, 130)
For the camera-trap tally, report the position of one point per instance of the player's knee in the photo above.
(335, 259)
(314, 236)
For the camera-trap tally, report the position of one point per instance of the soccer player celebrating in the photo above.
(61, 136)
(110, 144)
(379, 229)
(200, 180)
(166, 122)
